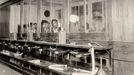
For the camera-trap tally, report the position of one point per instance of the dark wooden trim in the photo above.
(10, 2)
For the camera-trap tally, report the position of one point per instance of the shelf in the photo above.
(97, 48)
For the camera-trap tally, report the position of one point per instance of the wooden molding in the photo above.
(9, 2)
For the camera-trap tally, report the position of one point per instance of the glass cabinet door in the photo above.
(58, 15)
(98, 15)
(77, 16)
(89, 16)
(14, 21)
(45, 16)
(53, 16)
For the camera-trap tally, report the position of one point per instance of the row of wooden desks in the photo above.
(40, 67)
(44, 67)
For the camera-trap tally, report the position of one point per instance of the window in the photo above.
(98, 17)
(91, 14)
(79, 8)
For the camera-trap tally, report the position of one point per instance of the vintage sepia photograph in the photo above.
(66, 37)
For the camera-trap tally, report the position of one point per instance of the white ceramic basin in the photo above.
(17, 54)
(79, 73)
(61, 67)
(5, 52)
(83, 72)
(36, 61)
(57, 66)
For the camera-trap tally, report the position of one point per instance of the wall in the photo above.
(4, 22)
(14, 18)
(122, 27)
(122, 20)
(123, 58)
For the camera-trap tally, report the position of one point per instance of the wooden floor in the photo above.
(5, 70)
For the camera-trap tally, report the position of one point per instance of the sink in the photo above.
(35, 61)
(5, 52)
(57, 67)
(83, 72)
(79, 73)
(17, 54)
(74, 71)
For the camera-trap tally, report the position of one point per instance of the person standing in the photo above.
(55, 26)
(45, 26)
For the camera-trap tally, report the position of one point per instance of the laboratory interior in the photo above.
(66, 37)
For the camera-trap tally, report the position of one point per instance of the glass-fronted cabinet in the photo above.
(45, 19)
(15, 21)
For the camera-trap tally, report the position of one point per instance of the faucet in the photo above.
(76, 54)
(50, 52)
(85, 56)
(91, 50)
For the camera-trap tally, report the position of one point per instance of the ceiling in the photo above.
(47, 2)
(2, 1)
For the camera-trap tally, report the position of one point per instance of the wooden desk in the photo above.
(42, 67)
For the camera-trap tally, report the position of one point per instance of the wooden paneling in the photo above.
(123, 58)
(122, 20)
(109, 27)
(123, 51)
(123, 30)
(86, 36)
(123, 68)
(49, 37)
